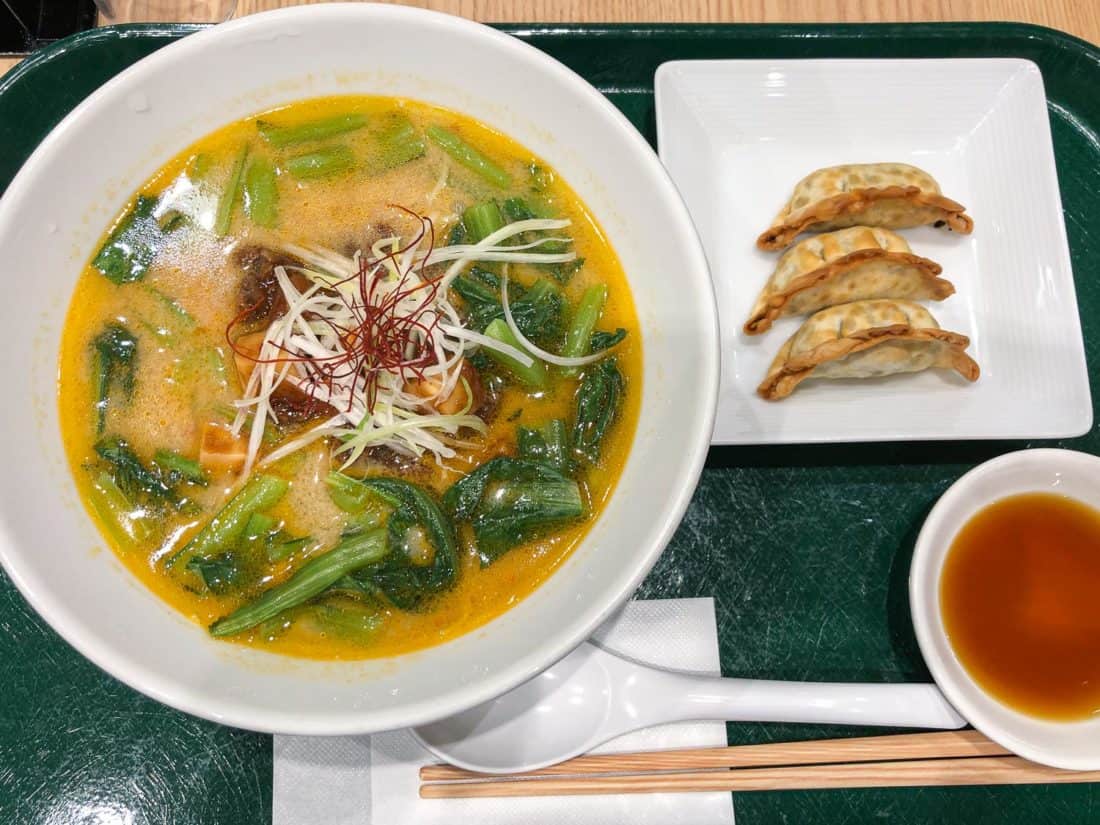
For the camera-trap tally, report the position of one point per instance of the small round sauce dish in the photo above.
(1004, 607)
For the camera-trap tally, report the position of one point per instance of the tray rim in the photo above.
(1049, 39)
(1051, 36)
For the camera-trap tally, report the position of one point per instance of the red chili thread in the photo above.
(380, 341)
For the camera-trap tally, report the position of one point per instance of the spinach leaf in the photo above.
(137, 482)
(598, 400)
(220, 574)
(548, 444)
(178, 468)
(538, 313)
(508, 501)
(457, 234)
(517, 209)
(481, 302)
(242, 566)
(404, 582)
(601, 340)
(401, 142)
(132, 245)
(464, 496)
(538, 310)
(114, 362)
(345, 618)
(562, 273)
(225, 530)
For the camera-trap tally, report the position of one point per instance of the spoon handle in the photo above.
(825, 703)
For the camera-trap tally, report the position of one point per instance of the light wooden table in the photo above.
(1079, 17)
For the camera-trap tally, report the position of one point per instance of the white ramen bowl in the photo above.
(54, 212)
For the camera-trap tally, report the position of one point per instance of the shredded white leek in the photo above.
(548, 357)
(310, 334)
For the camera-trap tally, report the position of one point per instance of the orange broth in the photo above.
(185, 375)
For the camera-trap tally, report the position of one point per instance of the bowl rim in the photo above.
(924, 576)
(173, 691)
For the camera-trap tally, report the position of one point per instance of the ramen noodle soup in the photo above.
(349, 378)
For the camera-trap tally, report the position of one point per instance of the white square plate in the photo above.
(736, 135)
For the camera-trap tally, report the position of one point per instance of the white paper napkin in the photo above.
(372, 780)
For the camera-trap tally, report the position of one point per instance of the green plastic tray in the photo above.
(805, 549)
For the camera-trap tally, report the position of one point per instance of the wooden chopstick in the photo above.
(906, 760)
(962, 743)
(981, 770)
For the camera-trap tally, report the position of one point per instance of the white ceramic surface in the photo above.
(1071, 745)
(53, 213)
(592, 696)
(736, 137)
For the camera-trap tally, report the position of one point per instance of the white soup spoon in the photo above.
(592, 696)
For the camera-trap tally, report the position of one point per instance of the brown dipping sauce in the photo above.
(1020, 598)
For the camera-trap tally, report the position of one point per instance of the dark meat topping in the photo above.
(259, 294)
(371, 234)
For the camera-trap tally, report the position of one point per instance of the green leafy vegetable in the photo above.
(311, 579)
(351, 586)
(283, 136)
(468, 156)
(345, 619)
(578, 338)
(509, 501)
(259, 528)
(457, 234)
(261, 192)
(480, 301)
(539, 177)
(480, 361)
(131, 490)
(351, 495)
(219, 574)
(347, 493)
(407, 581)
(604, 340)
(537, 310)
(242, 566)
(223, 218)
(520, 209)
(323, 163)
(549, 444)
(517, 209)
(181, 315)
(132, 244)
(533, 376)
(136, 481)
(482, 220)
(563, 273)
(264, 540)
(224, 530)
(398, 143)
(125, 522)
(464, 496)
(178, 467)
(279, 548)
(516, 512)
(486, 278)
(598, 399)
(114, 362)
